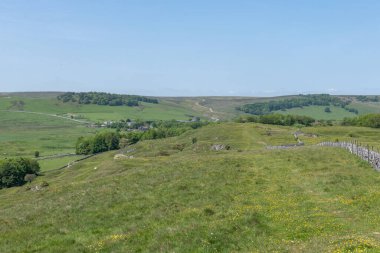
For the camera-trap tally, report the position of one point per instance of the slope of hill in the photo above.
(159, 198)
(180, 108)
(38, 102)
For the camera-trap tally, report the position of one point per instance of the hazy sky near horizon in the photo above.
(197, 47)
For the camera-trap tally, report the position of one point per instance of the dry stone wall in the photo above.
(365, 153)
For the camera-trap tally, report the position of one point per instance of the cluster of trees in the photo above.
(129, 125)
(100, 142)
(262, 108)
(13, 171)
(368, 120)
(102, 98)
(162, 129)
(279, 119)
(367, 98)
(105, 141)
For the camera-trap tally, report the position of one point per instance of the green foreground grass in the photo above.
(249, 199)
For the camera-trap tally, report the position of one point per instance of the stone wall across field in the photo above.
(364, 153)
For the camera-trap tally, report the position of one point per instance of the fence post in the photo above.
(368, 152)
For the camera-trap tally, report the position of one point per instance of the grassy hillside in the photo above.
(318, 112)
(165, 110)
(337, 113)
(365, 108)
(169, 107)
(39, 122)
(248, 198)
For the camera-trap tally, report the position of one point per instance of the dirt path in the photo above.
(207, 109)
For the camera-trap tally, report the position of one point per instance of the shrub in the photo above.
(14, 170)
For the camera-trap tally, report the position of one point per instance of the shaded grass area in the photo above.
(309, 199)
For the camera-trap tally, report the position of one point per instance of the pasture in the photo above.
(248, 198)
(165, 110)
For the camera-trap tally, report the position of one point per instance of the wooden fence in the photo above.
(365, 153)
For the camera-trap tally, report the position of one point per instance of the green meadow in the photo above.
(179, 195)
(21, 134)
(158, 198)
(165, 110)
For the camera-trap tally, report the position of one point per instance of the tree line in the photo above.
(107, 140)
(102, 98)
(162, 129)
(362, 98)
(17, 171)
(278, 119)
(100, 142)
(262, 108)
(368, 120)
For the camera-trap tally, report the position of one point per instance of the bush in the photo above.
(37, 154)
(14, 170)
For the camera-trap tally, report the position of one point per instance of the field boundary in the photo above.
(51, 115)
(365, 153)
(72, 162)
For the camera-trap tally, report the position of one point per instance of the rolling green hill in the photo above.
(157, 198)
(318, 112)
(37, 121)
(95, 113)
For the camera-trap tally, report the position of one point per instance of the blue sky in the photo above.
(185, 48)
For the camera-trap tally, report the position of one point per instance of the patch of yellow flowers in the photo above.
(355, 245)
(99, 245)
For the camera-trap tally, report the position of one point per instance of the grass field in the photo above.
(54, 163)
(249, 199)
(21, 134)
(365, 108)
(165, 110)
